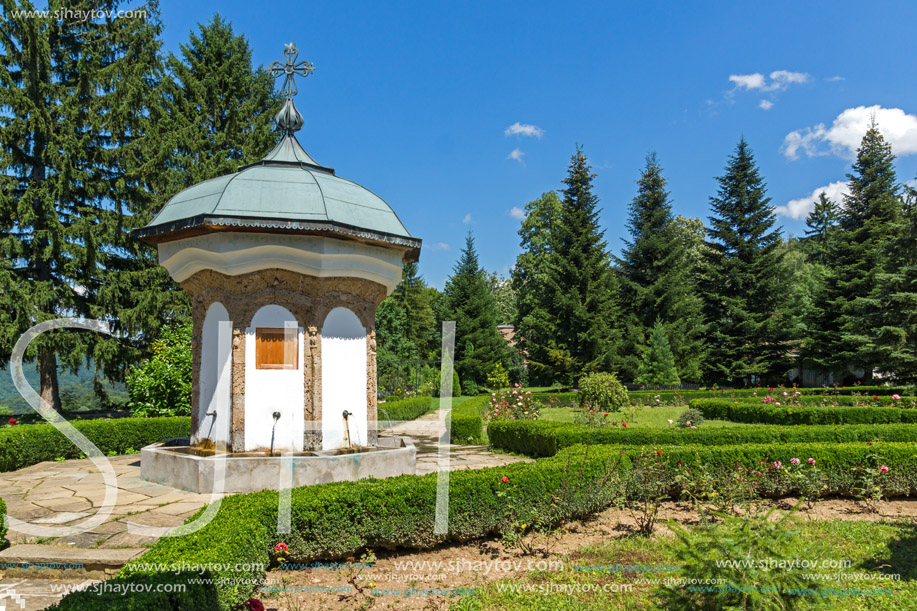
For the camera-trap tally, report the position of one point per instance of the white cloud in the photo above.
(847, 130)
(437, 246)
(778, 80)
(781, 79)
(834, 79)
(766, 105)
(800, 208)
(517, 155)
(523, 129)
(467, 218)
(748, 81)
(517, 213)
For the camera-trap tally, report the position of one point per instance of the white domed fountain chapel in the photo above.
(285, 263)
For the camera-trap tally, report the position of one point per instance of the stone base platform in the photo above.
(174, 463)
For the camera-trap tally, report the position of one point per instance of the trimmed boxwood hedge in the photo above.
(339, 520)
(2, 524)
(543, 438)
(27, 444)
(738, 411)
(903, 402)
(405, 409)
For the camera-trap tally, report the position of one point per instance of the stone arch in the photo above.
(344, 373)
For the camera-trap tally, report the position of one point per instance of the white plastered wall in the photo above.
(213, 415)
(273, 390)
(343, 379)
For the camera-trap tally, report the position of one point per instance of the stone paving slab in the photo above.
(91, 559)
(35, 594)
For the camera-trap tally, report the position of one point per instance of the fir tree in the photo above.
(847, 320)
(533, 323)
(421, 328)
(657, 283)
(470, 303)
(658, 363)
(822, 225)
(742, 288)
(75, 117)
(217, 109)
(896, 294)
(581, 288)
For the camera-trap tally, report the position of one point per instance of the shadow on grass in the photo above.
(901, 556)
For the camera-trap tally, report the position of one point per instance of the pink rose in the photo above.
(795, 461)
(883, 469)
(811, 461)
(777, 464)
(896, 397)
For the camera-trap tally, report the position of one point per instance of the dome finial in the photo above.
(289, 119)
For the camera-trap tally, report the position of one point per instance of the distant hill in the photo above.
(76, 390)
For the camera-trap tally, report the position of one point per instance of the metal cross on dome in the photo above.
(290, 69)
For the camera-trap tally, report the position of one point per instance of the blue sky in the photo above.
(416, 100)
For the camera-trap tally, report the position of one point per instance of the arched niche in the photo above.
(343, 374)
(213, 415)
(274, 381)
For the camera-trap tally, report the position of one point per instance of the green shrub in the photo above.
(405, 409)
(601, 392)
(27, 444)
(544, 438)
(2, 524)
(161, 386)
(498, 378)
(456, 386)
(468, 421)
(470, 389)
(690, 417)
(556, 399)
(735, 552)
(737, 411)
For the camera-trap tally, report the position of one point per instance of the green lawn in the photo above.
(638, 416)
(873, 547)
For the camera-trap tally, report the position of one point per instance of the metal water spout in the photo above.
(276, 420)
(347, 428)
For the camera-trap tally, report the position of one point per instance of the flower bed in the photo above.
(23, 445)
(543, 438)
(770, 413)
(338, 520)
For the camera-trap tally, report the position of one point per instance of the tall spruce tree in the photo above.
(75, 118)
(657, 283)
(580, 286)
(217, 109)
(821, 226)
(470, 303)
(742, 288)
(847, 320)
(533, 323)
(421, 328)
(896, 295)
(657, 365)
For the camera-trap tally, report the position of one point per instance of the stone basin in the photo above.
(175, 463)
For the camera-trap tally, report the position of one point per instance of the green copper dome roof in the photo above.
(287, 191)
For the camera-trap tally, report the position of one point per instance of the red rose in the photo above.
(679, 463)
(504, 479)
(624, 424)
(13, 421)
(659, 452)
(772, 388)
(875, 397)
(606, 414)
(254, 604)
